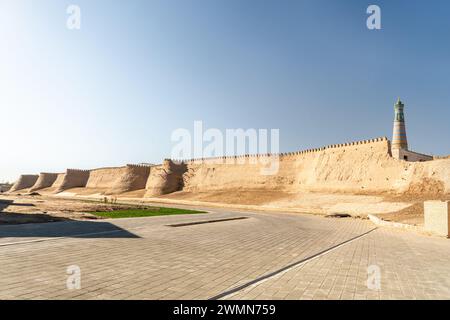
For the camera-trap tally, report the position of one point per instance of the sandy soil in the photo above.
(245, 197)
(406, 208)
(35, 209)
(414, 213)
(325, 203)
(399, 208)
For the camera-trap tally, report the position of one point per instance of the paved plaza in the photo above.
(265, 256)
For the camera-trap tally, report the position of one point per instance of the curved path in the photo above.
(266, 256)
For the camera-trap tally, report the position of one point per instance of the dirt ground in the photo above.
(405, 208)
(44, 208)
(414, 213)
(245, 197)
(34, 209)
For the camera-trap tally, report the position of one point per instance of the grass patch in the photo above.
(143, 212)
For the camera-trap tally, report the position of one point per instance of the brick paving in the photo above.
(143, 258)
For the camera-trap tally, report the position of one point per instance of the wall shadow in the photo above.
(37, 225)
(5, 203)
(72, 229)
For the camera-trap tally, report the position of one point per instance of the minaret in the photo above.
(399, 140)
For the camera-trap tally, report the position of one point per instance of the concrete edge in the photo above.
(383, 223)
(403, 226)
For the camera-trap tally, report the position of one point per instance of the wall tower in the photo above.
(399, 146)
(399, 140)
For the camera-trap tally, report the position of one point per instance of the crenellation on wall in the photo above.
(284, 154)
(139, 165)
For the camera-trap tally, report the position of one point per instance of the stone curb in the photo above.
(383, 223)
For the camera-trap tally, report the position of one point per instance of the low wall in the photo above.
(165, 178)
(437, 217)
(410, 155)
(357, 167)
(25, 181)
(45, 180)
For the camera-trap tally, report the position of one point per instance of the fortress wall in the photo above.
(134, 177)
(117, 180)
(73, 178)
(363, 166)
(165, 178)
(45, 180)
(314, 169)
(59, 180)
(104, 178)
(24, 181)
(207, 176)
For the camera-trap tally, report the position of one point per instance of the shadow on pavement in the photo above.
(5, 203)
(73, 229)
(36, 225)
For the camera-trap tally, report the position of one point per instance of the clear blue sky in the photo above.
(113, 92)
